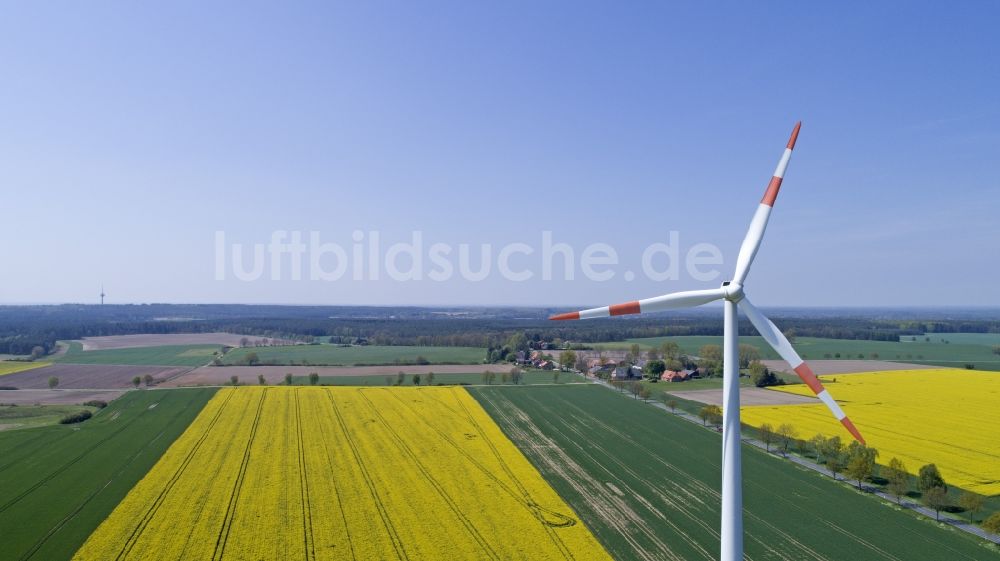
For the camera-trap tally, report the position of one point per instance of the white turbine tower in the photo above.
(733, 295)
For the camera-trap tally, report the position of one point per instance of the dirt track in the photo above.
(821, 367)
(86, 376)
(216, 375)
(748, 396)
(159, 340)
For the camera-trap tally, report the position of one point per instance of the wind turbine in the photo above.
(733, 295)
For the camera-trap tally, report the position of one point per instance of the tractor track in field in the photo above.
(806, 551)
(68, 464)
(307, 524)
(524, 499)
(234, 496)
(564, 428)
(429, 476)
(59, 526)
(608, 508)
(155, 507)
(525, 496)
(27, 451)
(397, 543)
(327, 438)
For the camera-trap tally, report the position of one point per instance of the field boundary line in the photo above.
(59, 525)
(155, 507)
(469, 526)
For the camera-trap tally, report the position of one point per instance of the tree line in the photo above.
(23, 328)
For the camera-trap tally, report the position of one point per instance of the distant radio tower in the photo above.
(102, 294)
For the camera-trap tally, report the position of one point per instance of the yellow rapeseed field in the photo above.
(342, 473)
(944, 416)
(12, 366)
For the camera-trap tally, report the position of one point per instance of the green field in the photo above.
(962, 348)
(58, 483)
(333, 355)
(27, 416)
(169, 355)
(647, 484)
(531, 377)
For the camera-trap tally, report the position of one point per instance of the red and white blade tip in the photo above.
(566, 316)
(795, 136)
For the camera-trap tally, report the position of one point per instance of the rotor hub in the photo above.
(733, 290)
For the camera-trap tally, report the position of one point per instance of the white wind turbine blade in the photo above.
(676, 300)
(777, 340)
(751, 243)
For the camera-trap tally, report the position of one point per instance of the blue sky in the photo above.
(133, 133)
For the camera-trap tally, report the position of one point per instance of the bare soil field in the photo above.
(164, 339)
(218, 375)
(748, 396)
(87, 376)
(821, 367)
(56, 397)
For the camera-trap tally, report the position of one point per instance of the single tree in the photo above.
(929, 477)
(971, 503)
(251, 359)
(416, 379)
(644, 392)
(898, 479)
(654, 369)
(37, 352)
(710, 414)
(136, 380)
(634, 353)
(791, 334)
(669, 350)
(672, 404)
(635, 388)
(261, 380)
(400, 378)
(53, 382)
(761, 376)
(704, 413)
(567, 359)
(516, 375)
(816, 445)
(234, 379)
(288, 379)
(860, 462)
(430, 378)
(148, 380)
(786, 435)
(710, 359)
(833, 455)
(992, 523)
(767, 435)
(936, 498)
(748, 355)
(313, 378)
